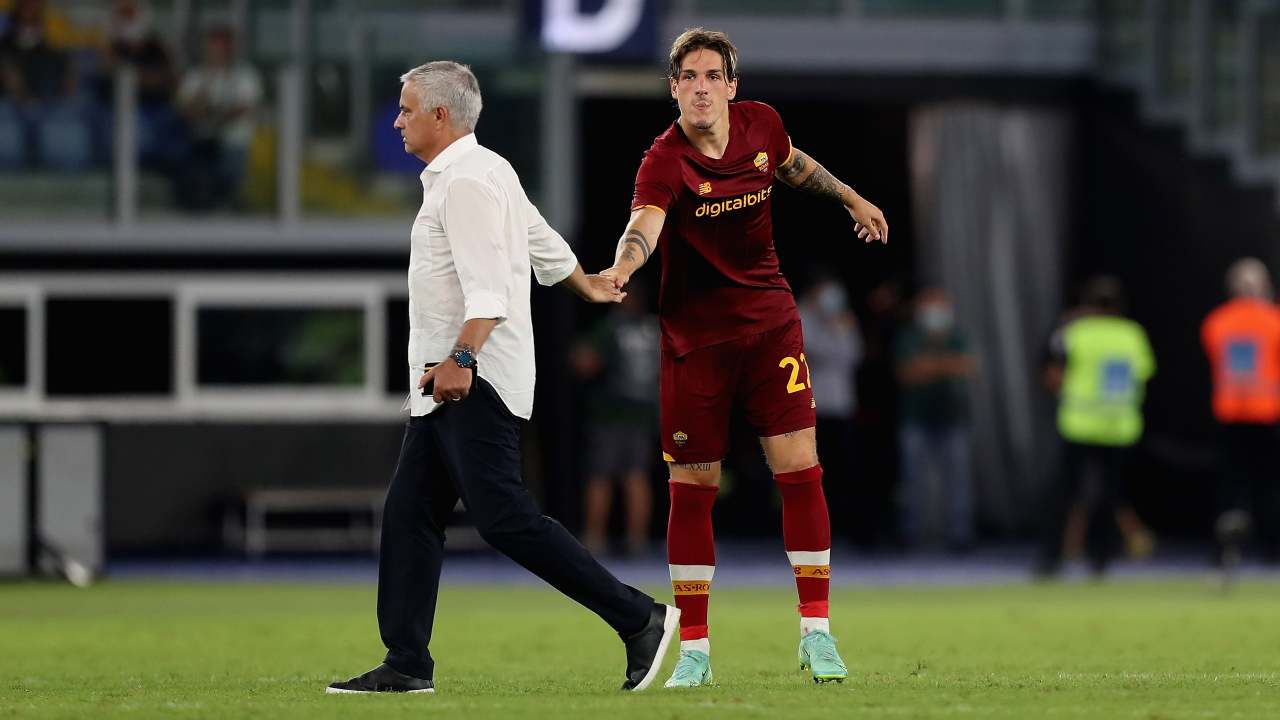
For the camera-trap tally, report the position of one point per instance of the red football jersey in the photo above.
(720, 276)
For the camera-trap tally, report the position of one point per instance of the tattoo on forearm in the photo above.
(696, 467)
(822, 183)
(817, 182)
(635, 238)
(464, 347)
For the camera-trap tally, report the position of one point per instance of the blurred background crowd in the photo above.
(1069, 348)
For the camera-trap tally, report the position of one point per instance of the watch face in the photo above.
(464, 358)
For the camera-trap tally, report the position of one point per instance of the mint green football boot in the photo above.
(818, 654)
(693, 669)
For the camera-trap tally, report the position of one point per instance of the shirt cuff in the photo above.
(487, 305)
(556, 274)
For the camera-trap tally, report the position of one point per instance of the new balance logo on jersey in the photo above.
(704, 188)
(714, 209)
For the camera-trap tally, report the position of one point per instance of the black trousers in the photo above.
(1094, 477)
(471, 450)
(1249, 456)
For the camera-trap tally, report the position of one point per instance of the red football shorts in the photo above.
(765, 375)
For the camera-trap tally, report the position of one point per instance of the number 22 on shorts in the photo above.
(793, 384)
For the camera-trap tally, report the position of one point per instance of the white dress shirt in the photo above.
(472, 245)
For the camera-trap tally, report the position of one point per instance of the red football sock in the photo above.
(806, 535)
(691, 554)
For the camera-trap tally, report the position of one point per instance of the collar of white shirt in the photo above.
(451, 153)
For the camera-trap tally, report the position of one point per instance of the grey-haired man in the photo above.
(473, 244)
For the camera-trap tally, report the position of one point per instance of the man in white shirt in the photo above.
(473, 243)
(218, 98)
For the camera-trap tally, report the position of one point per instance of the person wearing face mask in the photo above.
(833, 350)
(133, 42)
(933, 367)
(1101, 362)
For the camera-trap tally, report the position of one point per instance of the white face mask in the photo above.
(936, 318)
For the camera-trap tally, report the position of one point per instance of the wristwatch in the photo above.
(465, 358)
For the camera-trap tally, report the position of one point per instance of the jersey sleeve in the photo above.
(657, 182)
(779, 140)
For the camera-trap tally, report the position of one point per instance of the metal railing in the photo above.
(294, 43)
(191, 397)
(1213, 65)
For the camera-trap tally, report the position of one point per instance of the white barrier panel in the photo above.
(14, 529)
(69, 494)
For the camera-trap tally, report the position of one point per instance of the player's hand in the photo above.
(451, 382)
(617, 275)
(868, 221)
(602, 289)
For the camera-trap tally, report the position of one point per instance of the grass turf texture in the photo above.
(1132, 650)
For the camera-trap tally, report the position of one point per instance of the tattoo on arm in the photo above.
(696, 467)
(822, 183)
(464, 347)
(790, 171)
(817, 181)
(636, 238)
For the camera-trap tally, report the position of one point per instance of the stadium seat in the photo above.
(12, 144)
(63, 140)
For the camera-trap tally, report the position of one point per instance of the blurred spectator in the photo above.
(133, 42)
(1140, 542)
(833, 350)
(218, 98)
(620, 356)
(34, 64)
(933, 367)
(1242, 340)
(1101, 362)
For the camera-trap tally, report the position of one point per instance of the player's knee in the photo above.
(792, 460)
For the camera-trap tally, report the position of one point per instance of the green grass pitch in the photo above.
(1149, 650)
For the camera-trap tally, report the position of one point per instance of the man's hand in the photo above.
(451, 382)
(592, 288)
(617, 276)
(602, 289)
(868, 221)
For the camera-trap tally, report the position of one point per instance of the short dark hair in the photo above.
(1105, 293)
(700, 39)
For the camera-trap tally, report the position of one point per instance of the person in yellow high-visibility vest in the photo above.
(1101, 364)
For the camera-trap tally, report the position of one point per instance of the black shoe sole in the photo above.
(343, 691)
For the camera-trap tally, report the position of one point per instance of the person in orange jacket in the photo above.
(1242, 340)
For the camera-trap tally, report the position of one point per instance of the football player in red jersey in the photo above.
(731, 336)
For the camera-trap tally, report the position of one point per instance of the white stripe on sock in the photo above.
(809, 624)
(701, 644)
(692, 572)
(809, 557)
